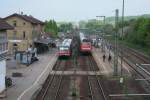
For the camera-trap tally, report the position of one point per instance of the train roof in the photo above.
(83, 37)
(66, 42)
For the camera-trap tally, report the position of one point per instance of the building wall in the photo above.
(3, 50)
(2, 75)
(22, 27)
(3, 42)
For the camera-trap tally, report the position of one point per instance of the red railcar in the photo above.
(85, 43)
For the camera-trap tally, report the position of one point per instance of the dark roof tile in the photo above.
(4, 25)
(27, 18)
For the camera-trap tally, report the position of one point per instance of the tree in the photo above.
(82, 24)
(108, 29)
(94, 25)
(141, 32)
(65, 27)
(51, 27)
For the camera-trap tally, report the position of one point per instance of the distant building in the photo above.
(3, 50)
(26, 29)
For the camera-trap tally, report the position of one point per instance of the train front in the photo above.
(64, 51)
(65, 48)
(85, 44)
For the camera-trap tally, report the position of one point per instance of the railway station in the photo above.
(82, 73)
(66, 54)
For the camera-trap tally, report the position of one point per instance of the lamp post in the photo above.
(103, 32)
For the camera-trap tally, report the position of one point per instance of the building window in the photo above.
(3, 36)
(15, 47)
(24, 34)
(14, 34)
(3, 47)
(15, 23)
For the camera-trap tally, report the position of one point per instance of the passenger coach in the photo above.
(65, 49)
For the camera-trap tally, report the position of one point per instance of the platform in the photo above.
(107, 68)
(22, 84)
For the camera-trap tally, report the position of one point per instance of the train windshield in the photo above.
(63, 48)
(86, 40)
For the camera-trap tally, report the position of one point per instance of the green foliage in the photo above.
(141, 32)
(51, 27)
(139, 36)
(108, 29)
(125, 23)
(111, 20)
(94, 25)
(65, 27)
(82, 24)
(91, 26)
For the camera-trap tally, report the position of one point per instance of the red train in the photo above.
(85, 43)
(65, 49)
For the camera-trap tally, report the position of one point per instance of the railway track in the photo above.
(55, 87)
(132, 58)
(135, 60)
(133, 55)
(136, 57)
(51, 86)
(95, 86)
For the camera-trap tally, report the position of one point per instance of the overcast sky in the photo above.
(72, 10)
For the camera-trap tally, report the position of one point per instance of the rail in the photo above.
(89, 83)
(100, 85)
(135, 68)
(51, 81)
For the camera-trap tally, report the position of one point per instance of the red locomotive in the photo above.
(85, 43)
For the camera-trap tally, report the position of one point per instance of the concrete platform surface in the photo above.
(106, 67)
(30, 75)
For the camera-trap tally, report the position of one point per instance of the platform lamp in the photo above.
(102, 31)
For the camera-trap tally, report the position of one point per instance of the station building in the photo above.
(26, 29)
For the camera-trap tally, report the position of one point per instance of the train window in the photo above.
(86, 40)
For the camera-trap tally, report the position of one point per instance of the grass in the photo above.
(145, 50)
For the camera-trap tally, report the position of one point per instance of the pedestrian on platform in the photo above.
(109, 58)
(104, 58)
